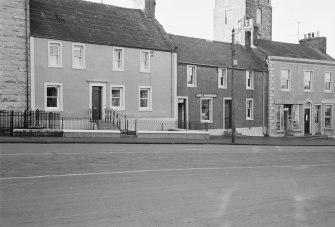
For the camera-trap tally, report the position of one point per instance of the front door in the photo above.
(317, 120)
(96, 103)
(182, 113)
(307, 119)
(228, 108)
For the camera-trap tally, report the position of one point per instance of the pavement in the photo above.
(240, 140)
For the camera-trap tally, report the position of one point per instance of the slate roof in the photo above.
(214, 53)
(291, 50)
(87, 22)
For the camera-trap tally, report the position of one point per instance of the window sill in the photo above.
(53, 110)
(248, 88)
(118, 70)
(308, 91)
(191, 86)
(79, 68)
(285, 90)
(222, 87)
(54, 66)
(145, 110)
(144, 71)
(206, 122)
(249, 119)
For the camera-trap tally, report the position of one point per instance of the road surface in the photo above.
(166, 185)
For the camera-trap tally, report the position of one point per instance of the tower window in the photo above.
(258, 16)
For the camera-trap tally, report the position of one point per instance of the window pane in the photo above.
(144, 94)
(54, 60)
(116, 97)
(52, 91)
(54, 49)
(51, 102)
(144, 103)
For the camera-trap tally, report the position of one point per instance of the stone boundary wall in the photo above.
(13, 68)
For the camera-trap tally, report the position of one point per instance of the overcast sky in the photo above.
(194, 18)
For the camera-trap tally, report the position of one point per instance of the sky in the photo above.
(195, 18)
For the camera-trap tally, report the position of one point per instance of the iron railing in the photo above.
(37, 119)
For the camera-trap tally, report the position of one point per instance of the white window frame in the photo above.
(149, 108)
(194, 76)
(249, 74)
(83, 57)
(59, 98)
(148, 69)
(311, 81)
(331, 82)
(222, 73)
(122, 97)
(249, 118)
(289, 80)
(331, 116)
(210, 110)
(122, 58)
(60, 65)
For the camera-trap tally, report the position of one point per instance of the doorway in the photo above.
(307, 118)
(182, 113)
(317, 120)
(227, 113)
(96, 102)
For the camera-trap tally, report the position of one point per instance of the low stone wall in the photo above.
(37, 133)
(192, 135)
(91, 133)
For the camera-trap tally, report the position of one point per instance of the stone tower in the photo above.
(14, 54)
(229, 14)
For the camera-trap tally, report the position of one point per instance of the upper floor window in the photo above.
(308, 81)
(54, 54)
(249, 79)
(250, 109)
(222, 78)
(117, 97)
(191, 76)
(145, 99)
(206, 111)
(145, 61)
(118, 59)
(53, 96)
(285, 80)
(258, 16)
(228, 16)
(78, 56)
(328, 82)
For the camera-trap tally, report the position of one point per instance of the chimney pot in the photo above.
(312, 34)
(305, 36)
(309, 35)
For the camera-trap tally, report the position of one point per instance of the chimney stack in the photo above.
(316, 42)
(148, 6)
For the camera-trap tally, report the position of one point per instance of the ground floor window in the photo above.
(287, 117)
(145, 99)
(206, 110)
(53, 96)
(328, 116)
(280, 118)
(250, 109)
(117, 97)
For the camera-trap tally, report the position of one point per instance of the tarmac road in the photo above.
(166, 185)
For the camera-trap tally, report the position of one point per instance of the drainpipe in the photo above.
(26, 8)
